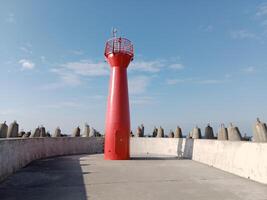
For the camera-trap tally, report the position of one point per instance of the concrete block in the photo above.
(259, 132)
(189, 135)
(222, 133)
(36, 133)
(143, 130)
(86, 131)
(138, 132)
(57, 132)
(209, 132)
(13, 130)
(234, 133)
(178, 132)
(171, 134)
(160, 133)
(3, 130)
(42, 132)
(21, 133)
(76, 132)
(155, 132)
(196, 133)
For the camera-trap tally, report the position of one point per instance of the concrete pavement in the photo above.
(83, 177)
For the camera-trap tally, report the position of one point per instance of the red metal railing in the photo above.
(119, 45)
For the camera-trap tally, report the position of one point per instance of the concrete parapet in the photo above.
(259, 132)
(17, 153)
(234, 133)
(245, 159)
(153, 146)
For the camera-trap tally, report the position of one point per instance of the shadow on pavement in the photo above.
(154, 158)
(47, 179)
(185, 151)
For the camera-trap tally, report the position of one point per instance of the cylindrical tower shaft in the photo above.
(119, 53)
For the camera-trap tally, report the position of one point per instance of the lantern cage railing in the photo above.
(119, 45)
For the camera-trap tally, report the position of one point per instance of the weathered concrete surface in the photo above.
(16, 153)
(91, 177)
(246, 159)
(154, 146)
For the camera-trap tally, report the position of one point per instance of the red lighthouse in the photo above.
(118, 53)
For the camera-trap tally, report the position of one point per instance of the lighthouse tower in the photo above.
(118, 53)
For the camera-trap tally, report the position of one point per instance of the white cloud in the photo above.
(242, 34)
(77, 52)
(262, 10)
(71, 73)
(25, 49)
(175, 81)
(147, 66)
(138, 84)
(154, 66)
(177, 66)
(43, 58)
(65, 104)
(87, 68)
(194, 80)
(66, 79)
(208, 28)
(141, 100)
(227, 76)
(26, 64)
(53, 86)
(70, 79)
(10, 18)
(210, 81)
(249, 69)
(7, 112)
(264, 23)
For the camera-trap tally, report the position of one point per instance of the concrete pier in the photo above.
(85, 177)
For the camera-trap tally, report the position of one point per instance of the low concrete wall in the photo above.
(153, 146)
(17, 153)
(170, 147)
(246, 159)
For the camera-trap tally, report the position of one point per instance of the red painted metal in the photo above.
(118, 53)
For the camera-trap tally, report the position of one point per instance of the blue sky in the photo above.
(196, 62)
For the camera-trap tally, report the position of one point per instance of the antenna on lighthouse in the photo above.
(114, 32)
